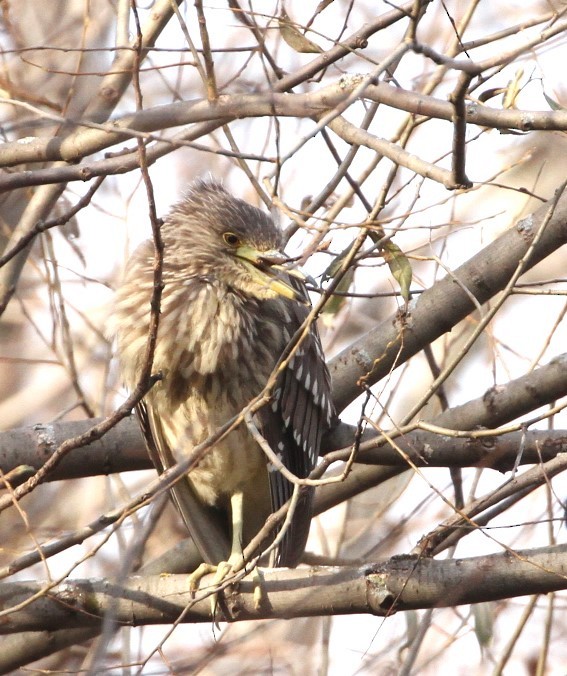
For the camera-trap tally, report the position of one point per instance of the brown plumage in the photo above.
(228, 311)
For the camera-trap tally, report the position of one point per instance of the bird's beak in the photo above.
(267, 269)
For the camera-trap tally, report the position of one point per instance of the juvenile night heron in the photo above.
(228, 312)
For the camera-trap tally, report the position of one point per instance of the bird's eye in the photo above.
(231, 239)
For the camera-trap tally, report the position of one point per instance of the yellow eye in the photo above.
(231, 239)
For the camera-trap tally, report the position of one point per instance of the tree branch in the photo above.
(401, 583)
(122, 448)
(94, 137)
(446, 303)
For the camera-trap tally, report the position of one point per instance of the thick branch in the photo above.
(402, 583)
(97, 137)
(442, 306)
(122, 447)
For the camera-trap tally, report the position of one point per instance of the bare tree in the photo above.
(414, 155)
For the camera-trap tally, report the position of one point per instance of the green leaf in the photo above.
(400, 267)
(336, 301)
(483, 623)
(551, 103)
(335, 265)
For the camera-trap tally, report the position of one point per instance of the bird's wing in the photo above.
(204, 522)
(293, 424)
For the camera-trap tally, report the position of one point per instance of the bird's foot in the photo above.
(220, 571)
(225, 569)
(198, 574)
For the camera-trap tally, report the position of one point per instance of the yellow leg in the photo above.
(236, 554)
(224, 568)
(235, 561)
(237, 517)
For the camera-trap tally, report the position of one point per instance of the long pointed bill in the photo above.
(266, 268)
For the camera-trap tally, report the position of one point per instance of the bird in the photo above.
(229, 309)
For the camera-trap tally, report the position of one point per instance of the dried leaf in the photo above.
(488, 94)
(512, 90)
(322, 5)
(294, 38)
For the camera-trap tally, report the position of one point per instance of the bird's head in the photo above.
(216, 236)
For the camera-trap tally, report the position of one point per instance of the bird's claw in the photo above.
(198, 574)
(221, 572)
